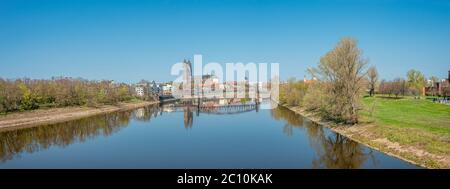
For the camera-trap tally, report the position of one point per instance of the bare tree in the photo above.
(343, 70)
(383, 88)
(398, 87)
(403, 87)
(372, 74)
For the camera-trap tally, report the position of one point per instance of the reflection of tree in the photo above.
(34, 139)
(332, 150)
(292, 119)
(335, 151)
(282, 113)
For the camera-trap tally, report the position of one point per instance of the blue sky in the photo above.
(132, 40)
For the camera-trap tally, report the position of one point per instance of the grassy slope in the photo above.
(416, 122)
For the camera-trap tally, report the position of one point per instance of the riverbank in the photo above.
(58, 115)
(368, 134)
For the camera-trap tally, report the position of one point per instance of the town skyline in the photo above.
(128, 41)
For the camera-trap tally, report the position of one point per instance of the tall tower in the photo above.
(187, 70)
(187, 78)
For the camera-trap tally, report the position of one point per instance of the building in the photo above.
(187, 71)
(166, 89)
(306, 81)
(188, 80)
(140, 91)
(194, 85)
(440, 88)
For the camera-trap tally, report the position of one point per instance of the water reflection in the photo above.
(328, 149)
(332, 150)
(210, 106)
(146, 113)
(15, 142)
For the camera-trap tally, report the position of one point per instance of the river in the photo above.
(184, 136)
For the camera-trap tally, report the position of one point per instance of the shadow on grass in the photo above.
(390, 97)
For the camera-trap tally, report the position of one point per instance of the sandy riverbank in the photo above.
(57, 115)
(362, 134)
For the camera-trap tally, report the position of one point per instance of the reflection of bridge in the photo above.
(189, 107)
(216, 109)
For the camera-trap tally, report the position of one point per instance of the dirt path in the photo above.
(362, 134)
(57, 115)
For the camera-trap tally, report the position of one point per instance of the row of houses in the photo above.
(152, 89)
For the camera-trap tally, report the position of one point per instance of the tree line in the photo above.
(29, 94)
(414, 84)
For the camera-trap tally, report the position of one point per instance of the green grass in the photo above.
(410, 113)
(417, 122)
(134, 99)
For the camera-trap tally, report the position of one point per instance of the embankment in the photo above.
(363, 134)
(57, 115)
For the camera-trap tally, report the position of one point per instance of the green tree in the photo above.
(28, 102)
(416, 81)
(124, 93)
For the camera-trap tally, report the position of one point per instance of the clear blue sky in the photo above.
(132, 40)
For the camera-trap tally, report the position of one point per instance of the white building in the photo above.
(140, 91)
(167, 89)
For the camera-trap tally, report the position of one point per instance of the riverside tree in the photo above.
(372, 75)
(341, 72)
(292, 92)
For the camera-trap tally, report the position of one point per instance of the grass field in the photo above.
(420, 123)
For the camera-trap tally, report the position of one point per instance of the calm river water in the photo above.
(170, 136)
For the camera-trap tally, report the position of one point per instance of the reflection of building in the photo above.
(139, 113)
(188, 118)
